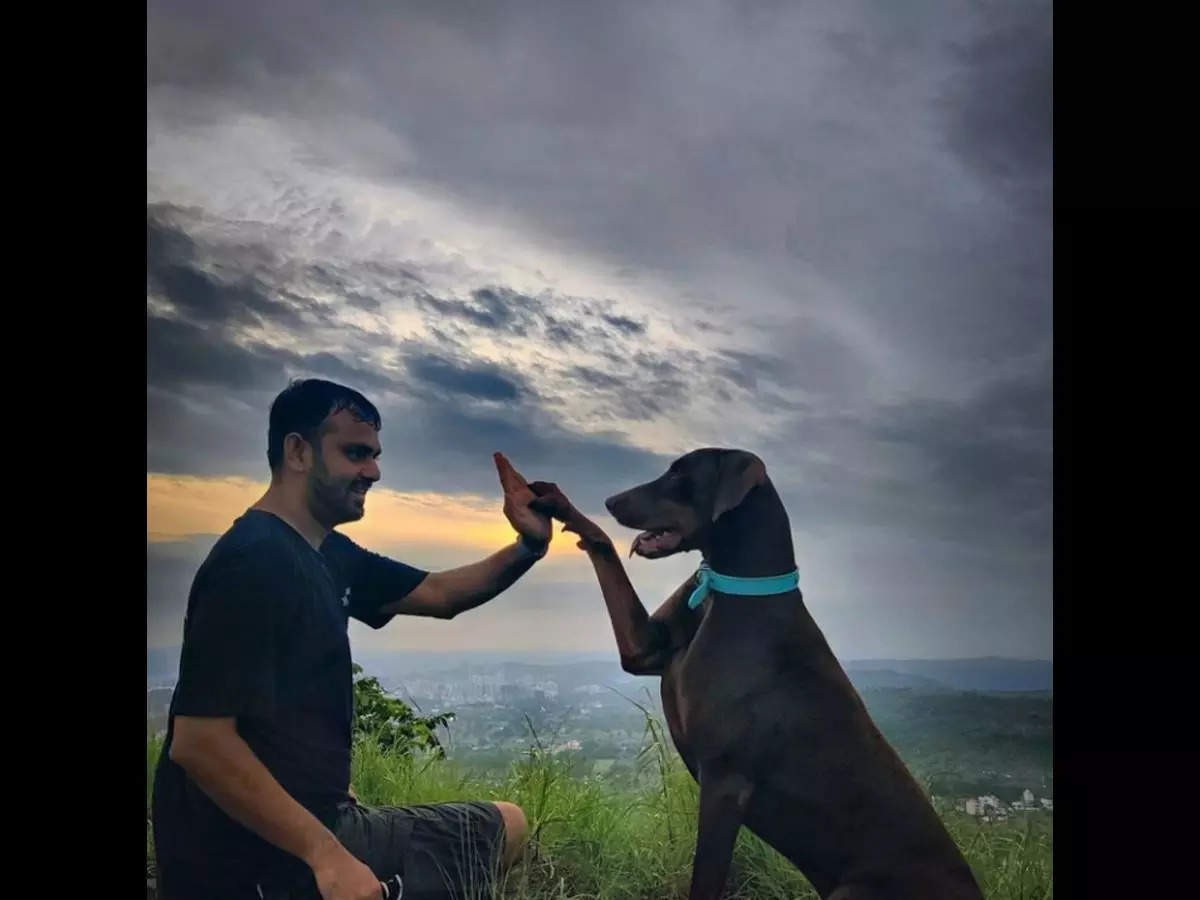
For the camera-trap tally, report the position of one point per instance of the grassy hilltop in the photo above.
(598, 839)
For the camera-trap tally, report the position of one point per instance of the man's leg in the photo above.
(445, 851)
(516, 831)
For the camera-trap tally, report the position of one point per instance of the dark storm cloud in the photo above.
(990, 457)
(636, 387)
(745, 369)
(479, 380)
(496, 309)
(200, 296)
(602, 130)
(976, 472)
(596, 378)
(335, 368)
(323, 275)
(236, 299)
(999, 101)
(624, 324)
(188, 433)
(179, 353)
(166, 242)
(201, 343)
(194, 430)
(505, 312)
(448, 448)
(197, 294)
(367, 304)
(562, 331)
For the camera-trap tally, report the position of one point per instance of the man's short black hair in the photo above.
(304, 405)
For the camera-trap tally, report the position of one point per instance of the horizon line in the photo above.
(604, 654)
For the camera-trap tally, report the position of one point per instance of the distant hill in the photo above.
(868, 679)
(427, 662)
(980, 674)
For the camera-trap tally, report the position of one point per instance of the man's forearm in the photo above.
(473, 585)
(232, 775)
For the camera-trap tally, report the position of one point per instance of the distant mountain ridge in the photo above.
(993, 674)
(988, 673)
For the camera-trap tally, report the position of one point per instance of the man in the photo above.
(252, 795)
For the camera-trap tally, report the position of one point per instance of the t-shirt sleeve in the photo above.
(374, 580)
(235, 627)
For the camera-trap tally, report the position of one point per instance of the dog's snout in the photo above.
(628, 508)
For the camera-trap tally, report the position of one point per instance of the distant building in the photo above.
(1027, 797)
(972, 806)
(509, 693)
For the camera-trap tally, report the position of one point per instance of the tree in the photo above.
(390, 721)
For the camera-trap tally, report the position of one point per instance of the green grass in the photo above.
(593, 840)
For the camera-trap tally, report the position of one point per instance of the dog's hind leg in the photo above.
(724, 797)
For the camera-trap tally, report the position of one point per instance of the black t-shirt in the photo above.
(265, 640)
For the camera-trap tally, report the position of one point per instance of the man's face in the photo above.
(344, 468)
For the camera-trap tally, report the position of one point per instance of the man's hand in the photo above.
(531, 524)
(219, 760)
(551, 500)
(341, 876)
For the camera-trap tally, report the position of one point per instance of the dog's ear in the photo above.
(738, 474)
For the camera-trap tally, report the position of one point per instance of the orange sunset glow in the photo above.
(179, 507)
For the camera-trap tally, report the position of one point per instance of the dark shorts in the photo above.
(443, 851)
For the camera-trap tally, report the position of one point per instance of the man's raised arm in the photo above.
(444, 595)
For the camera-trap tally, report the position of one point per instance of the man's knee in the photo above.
(516, 830)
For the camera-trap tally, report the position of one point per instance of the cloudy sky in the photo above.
(595, 236)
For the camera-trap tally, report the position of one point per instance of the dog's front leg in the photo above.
(645, 643)
(724, 796)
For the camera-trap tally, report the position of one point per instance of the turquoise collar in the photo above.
(747, 587)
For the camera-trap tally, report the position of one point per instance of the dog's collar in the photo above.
(747, 587)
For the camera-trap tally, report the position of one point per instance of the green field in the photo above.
(593, 839)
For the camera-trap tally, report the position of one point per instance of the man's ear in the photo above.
(739, 473)
(297, 452)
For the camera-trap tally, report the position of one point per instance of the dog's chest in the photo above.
(718, 704)
(674, 702)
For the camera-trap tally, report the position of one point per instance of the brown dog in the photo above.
(761, 712)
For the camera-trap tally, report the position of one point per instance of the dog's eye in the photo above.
(678, 485)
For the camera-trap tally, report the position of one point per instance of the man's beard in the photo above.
(330, 499)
